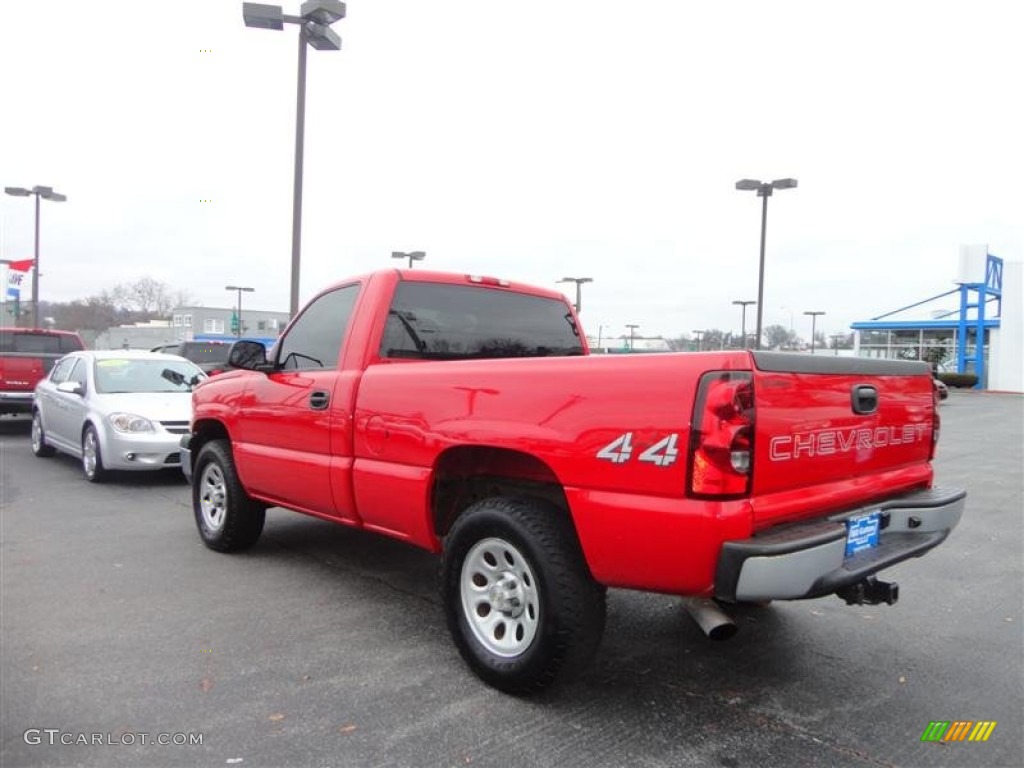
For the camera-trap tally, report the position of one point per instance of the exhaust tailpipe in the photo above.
(710, 618)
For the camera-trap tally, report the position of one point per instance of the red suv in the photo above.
(26, 356)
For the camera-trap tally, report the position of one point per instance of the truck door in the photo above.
(283, 437)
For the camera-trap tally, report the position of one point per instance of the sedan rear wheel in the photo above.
(39, 444)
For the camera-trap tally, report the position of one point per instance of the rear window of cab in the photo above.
(35, 342)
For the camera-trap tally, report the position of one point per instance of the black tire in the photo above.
(92, 456)
(540, 566)
(39, 445)
(227, 519)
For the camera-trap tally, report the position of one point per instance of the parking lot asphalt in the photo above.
(325, 646)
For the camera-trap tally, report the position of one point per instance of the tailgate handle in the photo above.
(865, 399)
(318, 400)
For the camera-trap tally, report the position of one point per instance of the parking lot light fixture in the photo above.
(814, 317)
(699, 335)
(411, 256)
(44, 193)
(314, 22)
(632, 327)
(240, 289)
(579, 282)
(764, 191)
(743, 318)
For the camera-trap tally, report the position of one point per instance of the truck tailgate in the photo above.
(20, 372)
(832, 432)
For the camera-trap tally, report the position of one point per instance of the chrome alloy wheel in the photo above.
(37, 432)
(90, 451)
(499, 597)
(213, 503)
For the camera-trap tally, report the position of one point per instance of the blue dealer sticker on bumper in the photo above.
(862, 533)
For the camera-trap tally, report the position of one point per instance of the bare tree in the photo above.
(146, 296)
(182, 298)
(779, 337)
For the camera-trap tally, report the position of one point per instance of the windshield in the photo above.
(134, 375)
(206, 353)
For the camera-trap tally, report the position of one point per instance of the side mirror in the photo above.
(250, 355)
(71, 388)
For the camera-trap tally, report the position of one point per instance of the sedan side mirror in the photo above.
(71, 388)
(250, 355)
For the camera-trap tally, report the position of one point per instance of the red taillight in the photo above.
(936, 423)
(722, 436)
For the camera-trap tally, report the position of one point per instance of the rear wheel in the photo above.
(92, 457)
(227, 519)
(520, 602)
(39, 445)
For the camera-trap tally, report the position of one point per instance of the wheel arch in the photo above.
(203, 431)
(463, 475)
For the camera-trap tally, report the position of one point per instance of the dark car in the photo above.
(26, 356)
(211, 356)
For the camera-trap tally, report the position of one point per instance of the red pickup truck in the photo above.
(464, 415)
(26, 356)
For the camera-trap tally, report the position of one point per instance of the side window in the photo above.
(61, 370)
(78, 373)
(70, 343)
(314, 341)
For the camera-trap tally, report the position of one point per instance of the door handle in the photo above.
(319, 400)
(864, 399)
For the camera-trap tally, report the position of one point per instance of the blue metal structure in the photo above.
(973, 296)
(266, 341)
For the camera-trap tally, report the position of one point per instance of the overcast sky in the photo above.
(528, 140)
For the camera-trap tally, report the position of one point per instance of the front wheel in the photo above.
(92, 456)
(227, 519)
(521, 604)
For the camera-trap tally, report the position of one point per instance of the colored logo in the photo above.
(958, 730)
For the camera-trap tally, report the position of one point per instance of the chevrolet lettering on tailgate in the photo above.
(827, 442)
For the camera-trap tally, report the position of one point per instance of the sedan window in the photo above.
(78, 373)
(138, 375)
(62, 369)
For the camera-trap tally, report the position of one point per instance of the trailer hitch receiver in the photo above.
(870, 591)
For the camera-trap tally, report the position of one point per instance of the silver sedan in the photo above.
(115, 410)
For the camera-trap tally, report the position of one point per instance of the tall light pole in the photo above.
(240, 289)
(314, 22)
(411, 256)
(45, 193)
(814, 318)
(743, 320)
(699, 335)
(835, 342)
(632, 327)
(579, 281)
(764, 190)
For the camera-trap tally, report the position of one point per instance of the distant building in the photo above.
(625, 345)
(134, 336)
(216, 324)
(977, 326)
